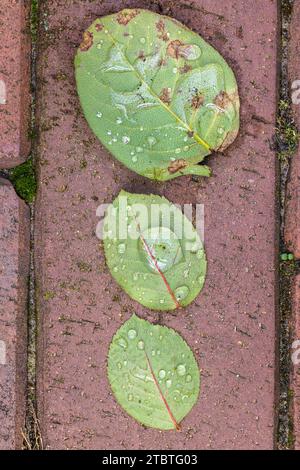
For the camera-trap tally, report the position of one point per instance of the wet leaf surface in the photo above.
(153, 373)
(153, 251)
(155, 93)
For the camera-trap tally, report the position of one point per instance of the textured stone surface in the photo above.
(292, 225)
(231, 326)
(14, 265)
(14, 82)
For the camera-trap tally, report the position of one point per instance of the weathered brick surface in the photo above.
(231, 326)
(14, 82)
(14, 265)
(292, 222)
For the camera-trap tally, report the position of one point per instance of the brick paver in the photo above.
(14, 82)
(292, 222)
(14, 265)
(231, 326)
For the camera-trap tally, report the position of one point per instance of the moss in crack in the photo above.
(24, 181)
(34, 19)
(287, 133)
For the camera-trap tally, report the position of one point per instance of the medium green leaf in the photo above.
(153, 373)
(153, 251)
(155, 93)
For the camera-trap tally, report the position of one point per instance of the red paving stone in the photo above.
(14, 82)
(292, 225)
(231, 326)
(295, 378)
(14, 264)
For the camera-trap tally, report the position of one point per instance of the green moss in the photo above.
(24, 181)
(49, 295)
(34, 19)
(287, 133)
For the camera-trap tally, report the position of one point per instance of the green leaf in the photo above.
(155, 93)
(153, 373)
(153, 251)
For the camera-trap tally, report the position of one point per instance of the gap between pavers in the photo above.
(295, 373)
(231, 326)
(14, 270)
(292, 219)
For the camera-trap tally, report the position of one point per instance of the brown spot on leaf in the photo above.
(177, 165)
(165, 95)
(185, 69)
(197, 101)
(125, 16)
(190, 133)
(87, 41)
(99, 27)
(177, 49)
(162, 62)
(142, 55)
(173, 49)
(222, 100)
(162, 33)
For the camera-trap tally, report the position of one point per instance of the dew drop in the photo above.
(151, 140)
(188, 378)
(139, 149)
(99, 114)
(131, 334)
(119, 120)
(116, 269)
(200, 254)
(125, 363)
(142, 40)
(109, 132)
(119, 365)
(168, 383)
(122, 342)
(220, 130)
(178, 150)
(158, 352)
(192, 52)
(201, 279)
(175, 70)
(162, 374)
(141, 345)
(130, 397)
(153, 353)
(125, 139)
(121, 248)
(181, 370)
(134, 159)
(181, 292)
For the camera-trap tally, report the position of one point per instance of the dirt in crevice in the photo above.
(286, 144)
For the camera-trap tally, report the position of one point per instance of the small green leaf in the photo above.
(155, 93)
(153, 251)
(153, 373)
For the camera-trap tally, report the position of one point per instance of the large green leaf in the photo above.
(153, 251)
(153, 373)
(155, 93)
